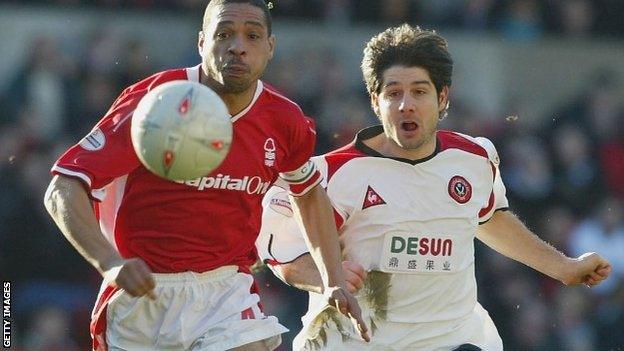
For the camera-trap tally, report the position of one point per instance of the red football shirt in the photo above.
(195, 225)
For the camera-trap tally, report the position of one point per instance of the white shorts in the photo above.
(477, 329)
(214, 310)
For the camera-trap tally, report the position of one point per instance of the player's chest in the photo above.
(413, 218)
(257, 150)
(391, 191)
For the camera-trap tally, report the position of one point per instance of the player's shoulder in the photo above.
(123, 107)
(480, 146)
(277, 100)
(143, 86)
(338, 158)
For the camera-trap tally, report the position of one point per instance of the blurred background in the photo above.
(541, 78)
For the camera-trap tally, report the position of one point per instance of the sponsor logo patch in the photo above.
(253, 185)
(372, 198)
(417, 253)
(281, 206)
(94, 141)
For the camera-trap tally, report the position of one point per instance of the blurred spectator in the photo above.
(603, 232)
(93, 100)
(33, 245)
(577, 178)
(103, 51)
(577, 17)
(573, 317)
(609, 319)
(338, 12)
(598, 109)
(477, 14)
(49, 331)
(526, 168)
(609, 18)
(386, 11)
(611, 155)
(532, 328)
(135, 62)
(522, 21)
(38, 95)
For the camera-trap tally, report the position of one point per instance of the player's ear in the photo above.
(443, 98)
(375, 103)
(200, 41)
(272, 41)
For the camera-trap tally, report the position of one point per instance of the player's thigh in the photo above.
(254, 346)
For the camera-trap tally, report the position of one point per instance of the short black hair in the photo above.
(411, 47)
(261, 4)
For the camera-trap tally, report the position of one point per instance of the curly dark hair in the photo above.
(261, 4)
(411, 47)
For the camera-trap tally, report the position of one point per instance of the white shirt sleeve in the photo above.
(498, 199)
(280, 240)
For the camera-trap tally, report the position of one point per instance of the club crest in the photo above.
(459, 189)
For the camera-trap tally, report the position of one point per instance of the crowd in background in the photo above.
(563, 175)
(521, 19)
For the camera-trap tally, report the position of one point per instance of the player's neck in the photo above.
(236, 102)
(387, 147)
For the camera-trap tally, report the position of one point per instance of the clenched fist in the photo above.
(133, 275)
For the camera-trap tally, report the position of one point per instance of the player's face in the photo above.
(409, 108)
(235, 47)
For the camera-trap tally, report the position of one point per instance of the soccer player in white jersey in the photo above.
(175, 256)
(409, 200)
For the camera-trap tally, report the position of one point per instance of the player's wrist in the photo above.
(106, 264)
(566, 270)
(335, 279)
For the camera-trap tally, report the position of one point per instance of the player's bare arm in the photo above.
(69, 205)
(313, 213)
(303, 274)
(505, 233)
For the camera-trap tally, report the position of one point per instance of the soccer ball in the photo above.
(181, 130)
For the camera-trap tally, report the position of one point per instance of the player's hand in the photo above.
(355, 275)
(344, 302)
(589, 269)
(133, 275)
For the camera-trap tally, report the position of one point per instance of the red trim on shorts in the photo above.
(248, 314)
(98, 319)
(254, 287)
(338, 218)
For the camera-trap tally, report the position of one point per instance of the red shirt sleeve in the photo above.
(299, 172)
(106, 152)
(302, 142)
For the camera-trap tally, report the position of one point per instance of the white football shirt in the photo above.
(415, 220)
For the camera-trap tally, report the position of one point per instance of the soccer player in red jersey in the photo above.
(175, 256)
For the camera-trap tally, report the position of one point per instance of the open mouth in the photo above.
(409, 126)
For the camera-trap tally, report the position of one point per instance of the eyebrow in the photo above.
(416, 82)
(253, 23)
